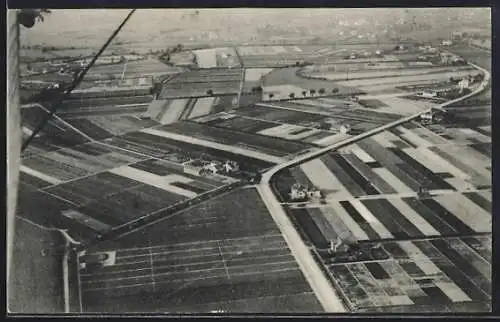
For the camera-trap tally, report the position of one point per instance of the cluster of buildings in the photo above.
(299, 192)
(212, 167)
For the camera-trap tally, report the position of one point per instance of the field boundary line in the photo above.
(224, 262)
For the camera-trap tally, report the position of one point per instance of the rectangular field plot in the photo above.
(273, 146)
(242, 124)
(223, 254)
(71, 163)
(279, 115)
(120, 124)
(441, 275)
(181, 151)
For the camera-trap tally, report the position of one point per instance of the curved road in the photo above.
(320, 284)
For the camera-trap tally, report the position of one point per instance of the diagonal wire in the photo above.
(55, 105)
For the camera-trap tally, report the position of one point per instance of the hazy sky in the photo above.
(93, 26)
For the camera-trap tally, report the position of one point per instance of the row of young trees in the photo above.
(312, 92)
(258, 89)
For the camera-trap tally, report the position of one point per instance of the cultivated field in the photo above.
(36, 271)
(200, 82)
(436, 248)
(226, 254)
(271, 146)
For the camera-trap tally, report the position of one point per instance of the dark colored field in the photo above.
(374, 165)
(448, 217)
(90, 128)
(274, 146)
(33, 181)
(456, 275)
(91, 149)
(412, 269)
(160, 147)
(391, 162)
(477, 246)
(356, 216)
(433, 182)
(479, 200)
(377, 271)
(311, 230)
(243, 124)
(279, 115)
(390, 217)
(464, 265)
(355, 175)
(430, 216)
(30, 203)
(481, 131)
(402, 140)
(188, 186)
(350, 285)
(483, 148)
(236, 215)
(225, 103)
(154, 166)
(35, 281)
(54, 132)
(344, 177)
(76, 103)
(281, 184)
(375, 104)
(444, 175)
(395, 250)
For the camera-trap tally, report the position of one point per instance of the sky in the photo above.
(90, 27)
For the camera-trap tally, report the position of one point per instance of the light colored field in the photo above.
(400, 80)
(285, 130)
(420, 259)
(467, 211)
(323, 179)
(155, 180)
(453, 292)
(174, 111)
(392, 180)
(202, 107)
(156, 108)
(425, 160)
(40, 175)
(472, 161)
(436, 159)
(336, 223)
(254, 74)
(206, 58)
(114, 124)
(414, 217)
(360, 153)
(474, 134)
(486, 128)
(414, 137)
(332, 139)
(383, 140)
(353, 226)
(383, 73)
(261, 50)
(372, 220)
(402, 106)
(429, 135)
(219, 146)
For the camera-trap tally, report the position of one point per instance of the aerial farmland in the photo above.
(249, 177)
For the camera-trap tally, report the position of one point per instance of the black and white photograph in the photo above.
(220, 161)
